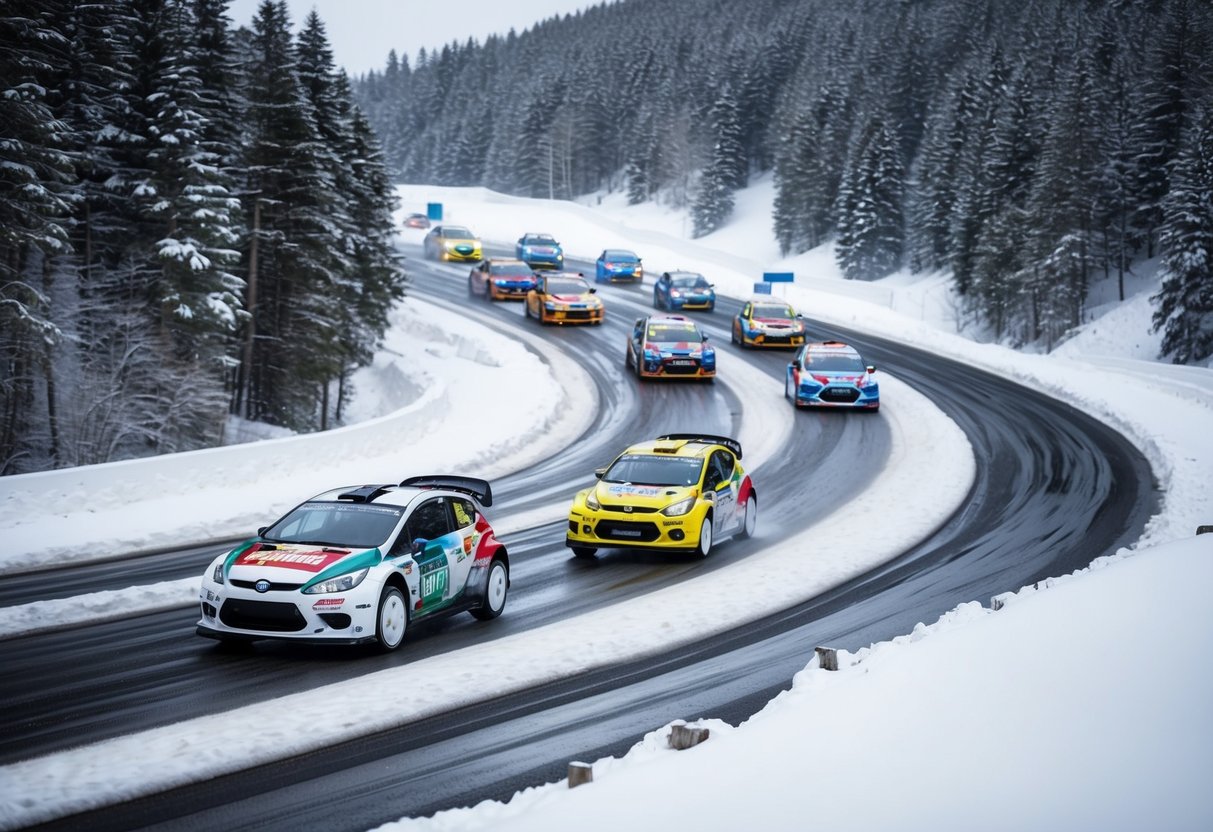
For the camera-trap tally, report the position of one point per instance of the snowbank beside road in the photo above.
(100, 511)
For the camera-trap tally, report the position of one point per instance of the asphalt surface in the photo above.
(1055, 489)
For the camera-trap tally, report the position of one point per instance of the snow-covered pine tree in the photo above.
(871, 236)
(291, 350)
(1185, 302)
(36, 179)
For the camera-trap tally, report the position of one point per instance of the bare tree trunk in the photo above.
(244, 391)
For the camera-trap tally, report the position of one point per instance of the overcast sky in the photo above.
(363, 31)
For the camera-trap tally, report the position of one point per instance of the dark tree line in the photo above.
(194, 221)
(1028, 146)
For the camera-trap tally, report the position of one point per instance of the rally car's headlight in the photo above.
(341, 583)
(591, 502)
(217, 573)
(679, 508)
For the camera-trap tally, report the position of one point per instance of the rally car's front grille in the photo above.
(579, 314)
(676, 366)
(625, 530)
(273, 587)
(630, 509)
(843, 395)
(273, 616)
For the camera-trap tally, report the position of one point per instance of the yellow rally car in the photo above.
(681, 492)
(563, 298)
(451, 242)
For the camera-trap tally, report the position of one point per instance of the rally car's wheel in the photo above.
(705, 537)
(584, 551)
(735, 334)
(392, 620)
(495, 590)
(789, 392)
(471, 291)
(750, 521)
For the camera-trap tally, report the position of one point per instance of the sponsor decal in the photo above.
(302, 558)
(619, 489)
(328, 603)
(668, 523)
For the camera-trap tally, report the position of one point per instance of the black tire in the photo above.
(704, 547)
(749, 521)
(391, 619)
(496, 587)
(471, 291)
(656, 305)
(584, 551)
(733, 333)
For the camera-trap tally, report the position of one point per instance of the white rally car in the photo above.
(359, 565)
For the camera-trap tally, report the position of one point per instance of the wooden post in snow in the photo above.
(580, 773)
(827, 658)
(683, 736)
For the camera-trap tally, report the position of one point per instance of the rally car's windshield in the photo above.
(612, 254)
(512, 270)
(670, 333)
(655, 470)
(694, 281)
(566, 287)
(456, 233)
(772, 311)
(834, 363)
(349, 525)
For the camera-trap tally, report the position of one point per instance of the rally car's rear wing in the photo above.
(732, 444)
(468, 485)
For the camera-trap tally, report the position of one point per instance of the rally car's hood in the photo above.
(788, 322)
(677, 347)
(832, 376)
(583, 298)
(288, 562)
(635, 494)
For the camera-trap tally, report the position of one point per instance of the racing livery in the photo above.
(539, 251)
(680, 492)
(683, 290)
(501, 278)
(451, 242)
(670, 346)
(766, 322)
(831, 374)
(563, 298)
(616, 265)
(360, 565)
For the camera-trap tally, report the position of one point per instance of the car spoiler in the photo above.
(468, 485)
(732, 444)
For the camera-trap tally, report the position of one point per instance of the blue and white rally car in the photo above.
(361, 565)
(539, 251)
(831, 374)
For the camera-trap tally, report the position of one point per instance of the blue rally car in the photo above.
(540, 251)
(683, 290)
(618, 265)
(831, 374)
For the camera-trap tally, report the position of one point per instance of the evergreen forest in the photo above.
(1028, 147)
(195, 221)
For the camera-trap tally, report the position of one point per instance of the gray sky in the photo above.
(362, 31)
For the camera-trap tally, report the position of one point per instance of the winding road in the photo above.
(1054, 490)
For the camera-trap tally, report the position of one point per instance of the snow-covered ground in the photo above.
(1081, 706)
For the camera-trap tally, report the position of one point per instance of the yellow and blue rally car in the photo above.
(680, 492)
